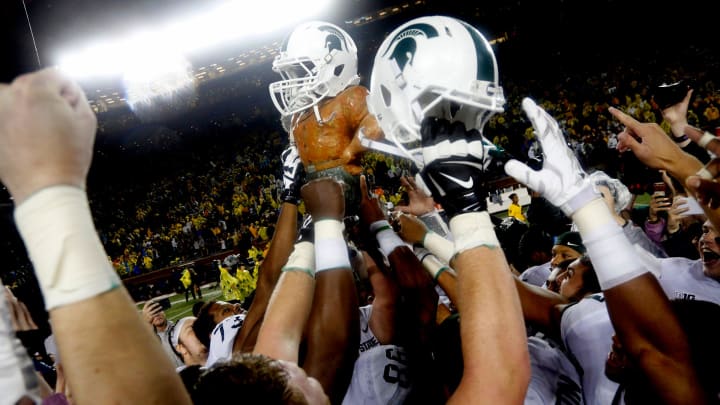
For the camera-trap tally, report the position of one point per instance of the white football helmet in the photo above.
(432, 67)
(317, 60)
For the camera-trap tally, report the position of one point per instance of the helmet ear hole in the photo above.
(387, 97)
(338, 70)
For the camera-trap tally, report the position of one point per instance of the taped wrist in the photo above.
(472, 230)
(302, 259)
(584, 197)
(433, 266)
(705, 139)
(442, 248)
(70, 262)
(330, 247)
(612, 254)
(386, 237)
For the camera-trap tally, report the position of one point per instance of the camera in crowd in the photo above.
(667, 95)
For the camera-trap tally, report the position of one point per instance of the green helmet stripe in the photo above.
(485, 56)
(428, 30)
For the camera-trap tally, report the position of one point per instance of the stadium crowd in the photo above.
(589, 297)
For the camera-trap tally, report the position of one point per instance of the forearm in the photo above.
(419, 306)
(333, 332)
(87, 335)
(653, 337)
(447, 280)
(333, 328)
(286, 316)
(638, 307)
(493, 332)
(492, 329)
(539, 306)
(280, 247)
(89, 309)
(684, 166)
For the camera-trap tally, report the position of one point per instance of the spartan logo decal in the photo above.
(405, 45)
(334, 40)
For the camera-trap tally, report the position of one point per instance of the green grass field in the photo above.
(179, 308)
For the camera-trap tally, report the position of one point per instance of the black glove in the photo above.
(307, 230)
(293, 175)
(455, 163)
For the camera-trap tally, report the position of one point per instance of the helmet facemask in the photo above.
(319, 61)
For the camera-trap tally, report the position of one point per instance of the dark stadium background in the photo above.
(542, 40)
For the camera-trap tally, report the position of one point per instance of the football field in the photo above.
(179, 308)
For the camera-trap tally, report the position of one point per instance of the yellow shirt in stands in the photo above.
(515, 211)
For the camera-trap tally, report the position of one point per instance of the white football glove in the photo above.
(561, 180)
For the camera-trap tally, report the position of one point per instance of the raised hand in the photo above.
(370, 210)
(47, 131)
(676, 115)
(652, 146)
(455, 162)
(324, 199)
(561, 180)
(293, 174)
(412, 230)
(658, 202)
(419, 203)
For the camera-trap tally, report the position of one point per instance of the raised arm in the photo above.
(496, 361)
(280, 247)
(46, 148)
(638, 307)
(654, 148)
(289, 308)
(333, 328)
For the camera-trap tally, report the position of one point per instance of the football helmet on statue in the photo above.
(433, 66)
(317, 60)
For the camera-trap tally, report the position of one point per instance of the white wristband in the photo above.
(302, 259)
(331, 250)
(613, 256)
(442, 248)
(705, 139)
(386, 237)
(433, 266)
(70, 262)
(473, 229)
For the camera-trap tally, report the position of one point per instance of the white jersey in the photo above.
(17, 374)
(682, 278)
(380, 371)
(536, 275)
(587, 332)
(553, 379)
(223, 338)
(367, 337)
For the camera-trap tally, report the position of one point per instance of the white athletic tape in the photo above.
(612, 254)
(69, 260)
(302, 258)
(704, 173)
(472, 230)
(705, 139)
(442, 248)
(331, 250)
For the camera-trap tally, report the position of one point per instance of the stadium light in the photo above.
(228, 22)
